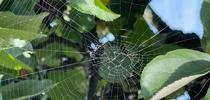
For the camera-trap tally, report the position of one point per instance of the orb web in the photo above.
(116, 64)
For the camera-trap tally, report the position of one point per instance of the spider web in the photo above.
(117, 64)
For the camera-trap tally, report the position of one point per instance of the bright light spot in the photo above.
(110, 37)
(53, 24)
(93, 46)
(64, 58)
(66, 18)
(27, 54)
(103, 40)
(185, 96)
(18, 43)
(43, 59)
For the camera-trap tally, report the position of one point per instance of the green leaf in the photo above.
(140, 33)
(20, 7)
(23, 7)
(30, 61)
(1, 76)
(95, 8)
(10, 65)
(171, 88)
(101, 84)
(128, 10)
(150, 52)
(207, 1)
(1, 1)
(19, 22)
(78, 24)
(16, 51)
(105, 1)
(116, 26)
(82, 22)
(51, 53)
(24, 54)
(71, 84)
(18, 27)
(207, 97)
(5, 5)
(174, 70)
(25, 89)
(206, 22)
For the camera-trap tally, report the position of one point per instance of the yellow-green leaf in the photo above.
(95, 8)
(10, 65)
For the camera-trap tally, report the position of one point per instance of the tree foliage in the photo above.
(58, 49)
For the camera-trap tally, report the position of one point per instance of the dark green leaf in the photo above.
(50, 53)
(20, 7)
(82, 22)
(71, 84)
(140, 33)
(23, 7)
(25, 89)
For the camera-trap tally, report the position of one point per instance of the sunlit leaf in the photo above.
(1, 1)
(18, 27)
(169, 89)
(94, 7)
(175, 69)
(11, 65)
(207, 97)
